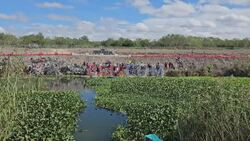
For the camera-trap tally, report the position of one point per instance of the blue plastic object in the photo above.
(153, 137)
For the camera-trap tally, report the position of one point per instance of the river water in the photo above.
(94, 123)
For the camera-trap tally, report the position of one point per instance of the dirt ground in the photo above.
(123, 55)
(127, 51)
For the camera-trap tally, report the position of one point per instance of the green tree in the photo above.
(33, 39)
(142, 43)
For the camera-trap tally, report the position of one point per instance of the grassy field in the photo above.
(181, 109)
(27, 113)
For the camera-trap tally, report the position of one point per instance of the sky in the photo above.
(102, 19)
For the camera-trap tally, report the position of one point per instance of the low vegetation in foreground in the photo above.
(27, 113)
(181, 109)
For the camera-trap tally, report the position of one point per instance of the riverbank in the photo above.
(59, 66)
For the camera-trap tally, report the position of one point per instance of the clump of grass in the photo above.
(12, 66)
(27, 113)
(46, 115)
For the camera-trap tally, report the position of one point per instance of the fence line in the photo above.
(35, 54)
(170, 55)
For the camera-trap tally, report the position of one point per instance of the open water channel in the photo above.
(94, 123)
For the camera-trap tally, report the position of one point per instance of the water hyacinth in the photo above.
(32, 114)
(179, 108)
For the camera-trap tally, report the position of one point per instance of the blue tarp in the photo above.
(153, 137)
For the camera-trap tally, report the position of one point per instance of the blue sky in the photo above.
(91, 10)
(101, 19)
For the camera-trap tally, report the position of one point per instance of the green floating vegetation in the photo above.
(202, 109)
(37, 115)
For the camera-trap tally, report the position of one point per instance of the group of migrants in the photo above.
(130, 69)
(43, 66)
(107, 69)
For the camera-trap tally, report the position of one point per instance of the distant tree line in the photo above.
(169, 41)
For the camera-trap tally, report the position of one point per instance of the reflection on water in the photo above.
(76, 84)
(94, 124)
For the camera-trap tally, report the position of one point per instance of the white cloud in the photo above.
(117, 5)
(192, 23)
(151, 28)
(238, 2)
(144, 6)
(234, 18)
(232, 2)
(47, 30)
(86, 27)
(7, 17)
(113, 22)
(57, 17)
(141, 27)
(206, 18)
(2, 30)
(54, 5)
(176, 8)
(213, 9)
(14, 17)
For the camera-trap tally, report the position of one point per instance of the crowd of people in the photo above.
(48, 66)
(129, 69)
(171, 67)
(52, 66)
